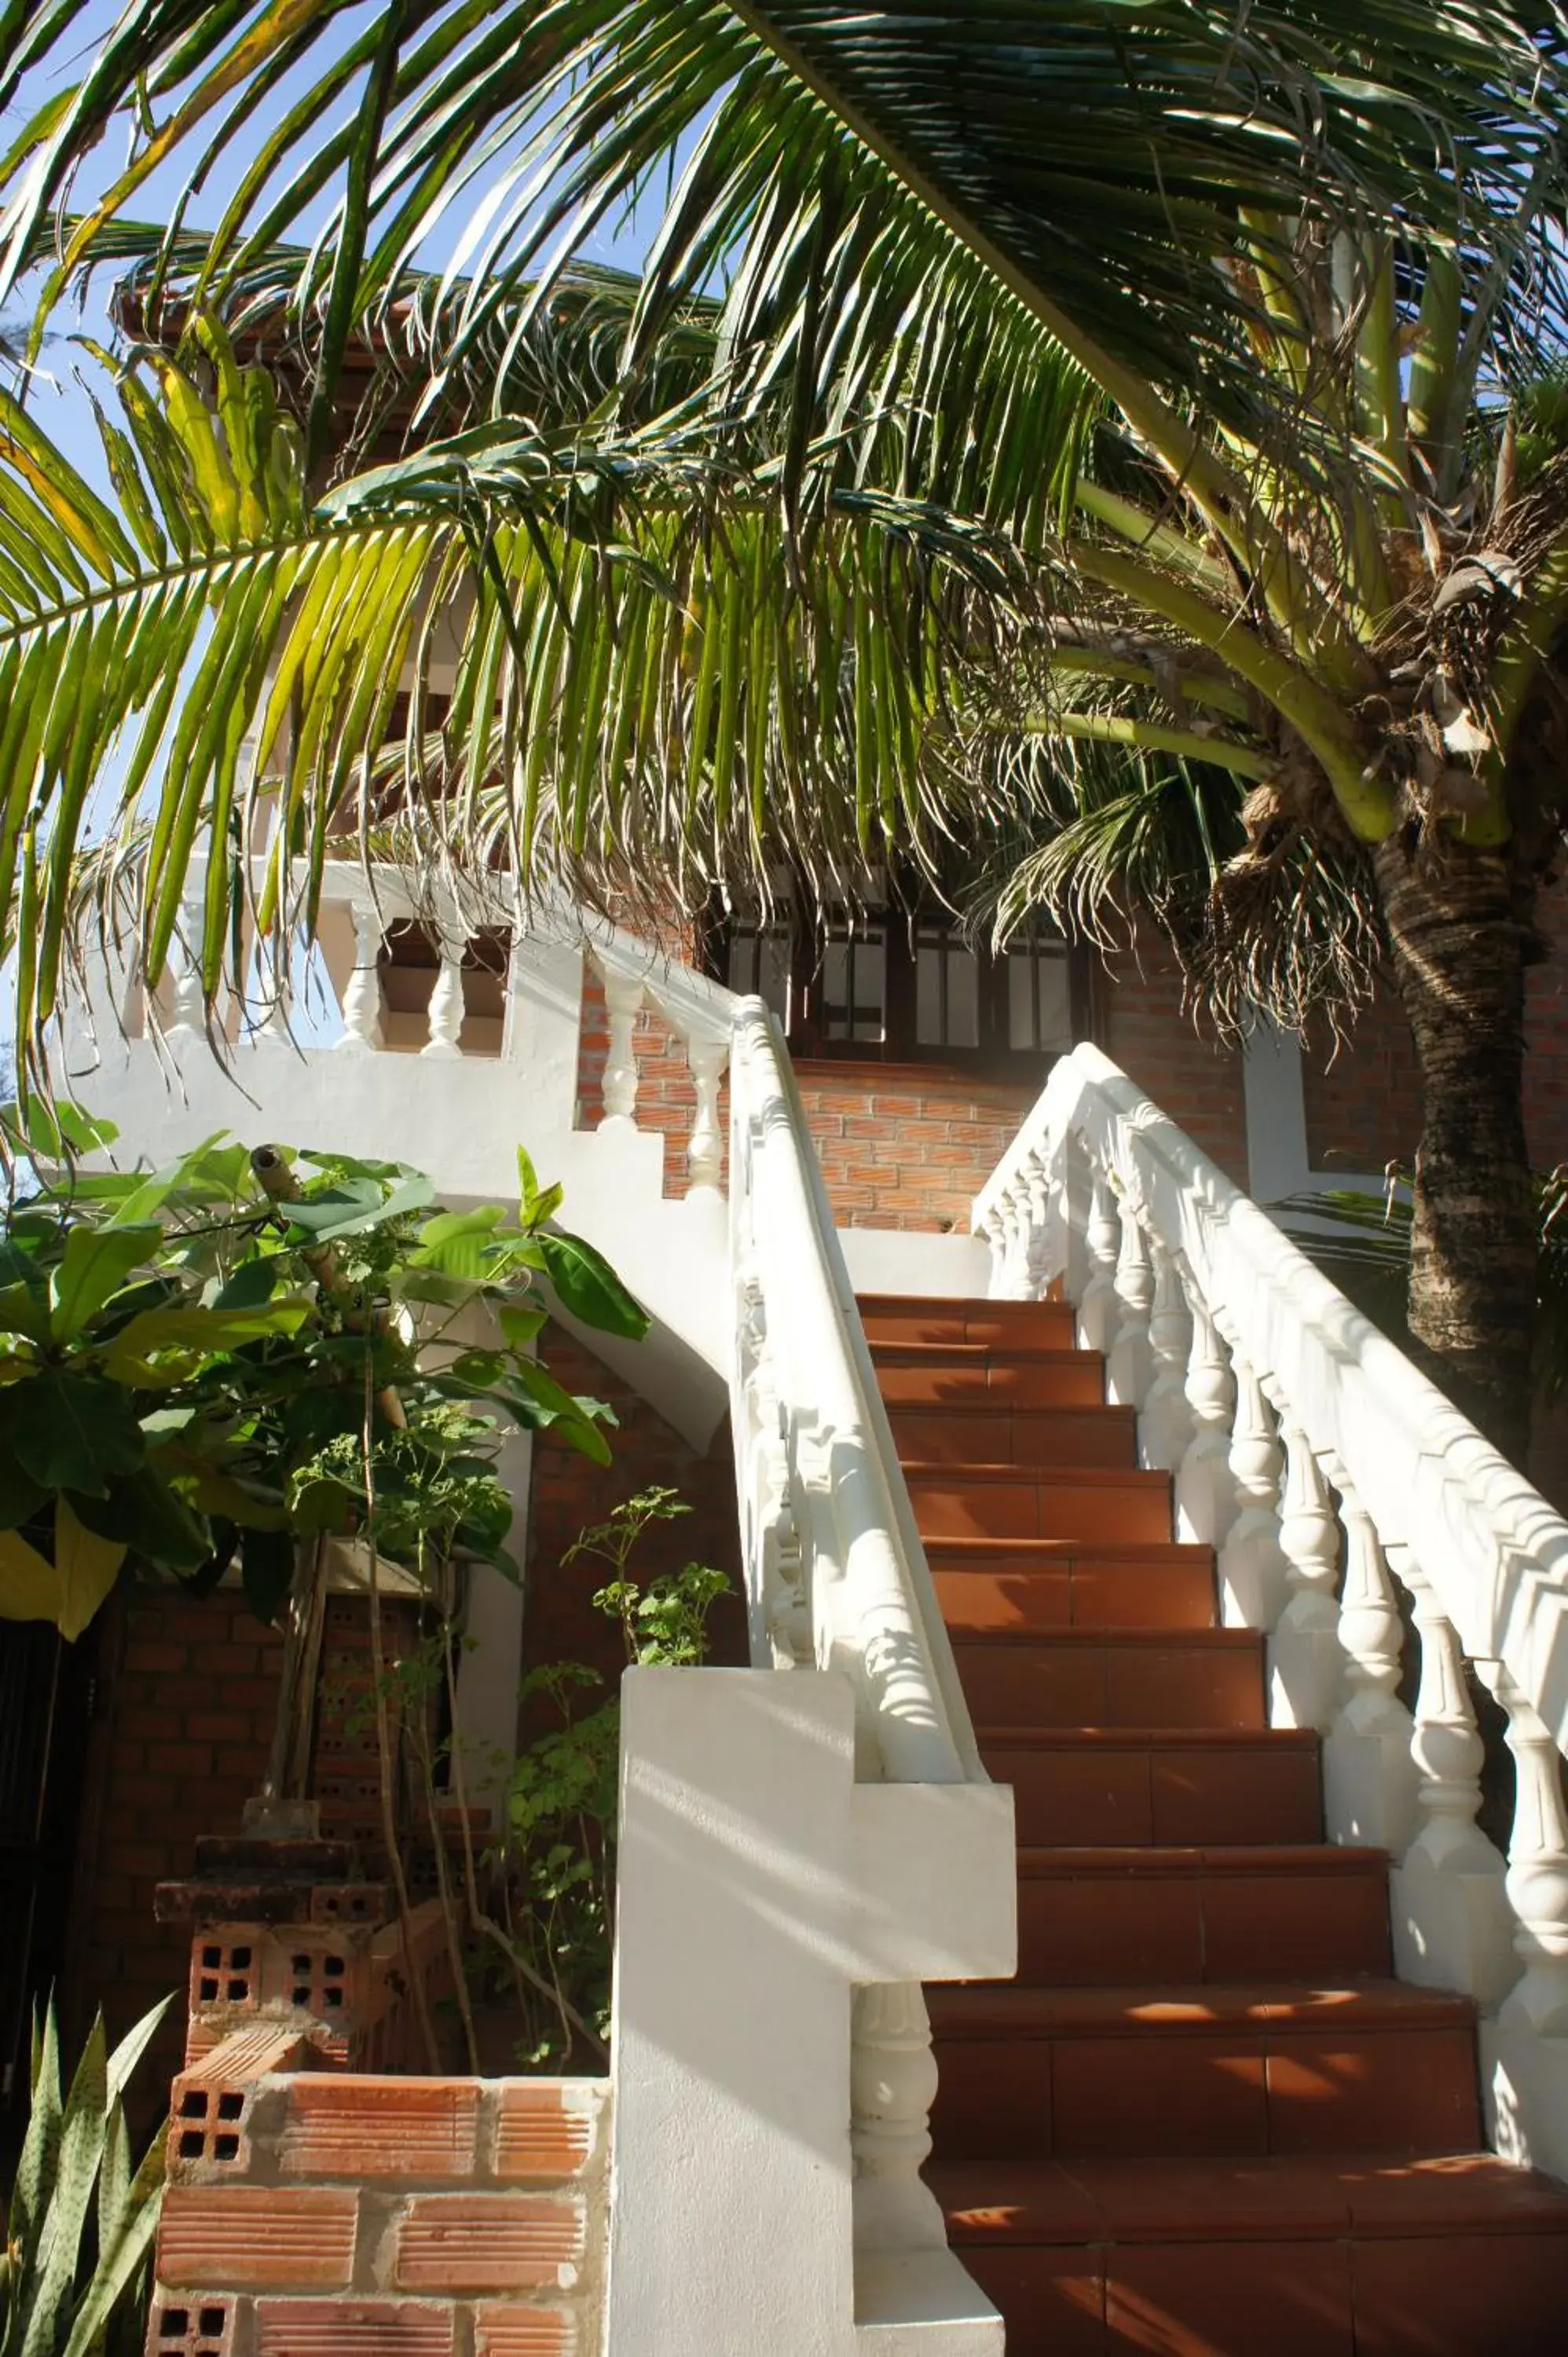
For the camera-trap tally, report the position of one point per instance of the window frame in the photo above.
(991, 1057)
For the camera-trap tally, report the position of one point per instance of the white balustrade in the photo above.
(1127, 1368)
(1099, 1308)
(892, 2086)
(1165, 1424)
(362, 1003)
(446, 1002)
(1252, 1571)
(1205, 1501)
(1368, 1770)
(1290, 1394)
(1307, 1663)
(1452, 1928)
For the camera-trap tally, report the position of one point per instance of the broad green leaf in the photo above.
(95, 1264)
(163, 1346)
(20, 1495)
(30, 1587)
(588, 1288)
(71, 1431)
(143, 1513)
(521, 1327)
(87, 1565)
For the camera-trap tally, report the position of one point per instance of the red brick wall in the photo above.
(568, 1493)
(908, 1145)
(1144, 1028)
(180, 1741)
(666, 1100)
(1363, 1106)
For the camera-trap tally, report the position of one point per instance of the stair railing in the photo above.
(801, 1844)
(1329, 1475)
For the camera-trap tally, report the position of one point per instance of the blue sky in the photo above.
(62, 406)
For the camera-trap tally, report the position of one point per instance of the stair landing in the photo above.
(1204, 2121)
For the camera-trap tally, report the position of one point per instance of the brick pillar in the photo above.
(384, 2217)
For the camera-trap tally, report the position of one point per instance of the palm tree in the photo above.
(1307, 583)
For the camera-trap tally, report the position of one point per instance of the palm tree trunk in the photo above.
(1459, 932)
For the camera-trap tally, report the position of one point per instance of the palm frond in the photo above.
(851, 182)
(610, 674)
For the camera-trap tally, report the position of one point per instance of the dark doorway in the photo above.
(46, 1700)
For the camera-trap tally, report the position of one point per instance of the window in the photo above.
(883, 987)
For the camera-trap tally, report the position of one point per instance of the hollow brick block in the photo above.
(379, 2127)
(458, 2242)
(506, 2327)
(210, 2105)
(545, 2131)
(257, 2238)
(353, 2327)
(192, 2324)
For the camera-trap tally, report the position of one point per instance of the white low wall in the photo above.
(759, 1887)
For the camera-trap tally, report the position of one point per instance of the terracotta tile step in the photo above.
(922, 1374)
(996, 1325)
(1027, 1583)
(1182, 1785)
(1031, 2074)
(975, 1432)
(1457, 2256)
(1113, 1677)
(1112, 1917)
(1006, 1502)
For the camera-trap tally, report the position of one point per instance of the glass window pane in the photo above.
(964, 999)
(772, 982)
(927, 993)
(1022, 1017)
(1055, 1033)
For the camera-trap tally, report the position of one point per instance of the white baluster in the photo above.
(362, 999)
(1251, 1566)
(446, 1009)
(707, 1060)
(1206, 1502)
(1128, 1369)
(1451, 1924)
(1537, 1880)
(1524, 2046)
(1045, 1255)
(623, 997)
(994, 1229)
(1100, 1311)
(1307, 1663)
(1368, 1776)
(188, 1003)
(1165, 1427)
(893, 2084)
(1017, 1217)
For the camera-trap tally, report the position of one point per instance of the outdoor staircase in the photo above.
(1203, 2121)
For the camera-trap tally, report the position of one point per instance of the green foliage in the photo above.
(189, 1357)
(80, 2220)
(1362, 1243)
(668, 1622)
(559, 1865)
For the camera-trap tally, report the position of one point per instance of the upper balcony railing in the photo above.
(1331, 1476)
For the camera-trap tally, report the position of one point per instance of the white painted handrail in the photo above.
(814, 1446)
(1294, 1400)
